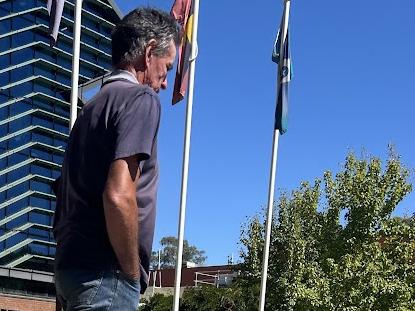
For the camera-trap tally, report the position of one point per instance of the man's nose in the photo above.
(164, 84)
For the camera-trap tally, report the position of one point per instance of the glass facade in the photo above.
(35, 84)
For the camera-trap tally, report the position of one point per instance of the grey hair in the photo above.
(132, 34)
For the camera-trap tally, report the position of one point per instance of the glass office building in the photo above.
(35, 84)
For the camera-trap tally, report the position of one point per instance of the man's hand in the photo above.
(121, 213)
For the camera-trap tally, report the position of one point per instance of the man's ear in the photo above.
(151, 45)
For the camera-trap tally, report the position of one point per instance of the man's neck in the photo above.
(139, 75)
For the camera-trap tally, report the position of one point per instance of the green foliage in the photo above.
(337, 247)
(158, 302)
(204, 298)
(168, 253)
(207, 298)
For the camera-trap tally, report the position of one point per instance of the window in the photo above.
(41, 170)
(18, 173)
(45, 89)
(105, 30)
(21, 90)
(21, 56)
(64, 79)
(58, 158)
(21, 73)
(2, 198)
(44, 139)
(47, 73)
(41, 154)
(23, 5)
(61, 128)
(60, 143)
(64, 112)
(90, 7)
(88, 56)
(19, 124)
(5, 8)
(42, 19)
(4, 61)
(4, 78)
(42, 203)
(18, 189)
(104, 62)
(86, 71)
(20, 106)
(67, 47)
(5, 25)
(22, 38)
(3, 147)
(19, 140)
(40, 186)
(40, 53)
(90, 23)
(68, 13)
(15, 239)
(41, 37)
(3, 98)
(18, 157)
(43, 104)
(64, 62)
(19, 22)
(39, 218)
(41, 234)
(17, 206)
(105, 47)
(38, 249)
(41, 121)
(4, 43)
(2, 178)
(88, 39)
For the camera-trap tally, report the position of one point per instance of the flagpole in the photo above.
(271, 187)
(186, 152)
(75, 61)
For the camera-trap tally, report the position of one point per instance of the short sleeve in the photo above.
(136, 125)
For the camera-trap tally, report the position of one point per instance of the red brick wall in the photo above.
(22, 303)
(188, 275)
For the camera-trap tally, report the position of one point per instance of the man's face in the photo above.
(157, 68)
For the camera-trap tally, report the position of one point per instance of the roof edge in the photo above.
(116, 8)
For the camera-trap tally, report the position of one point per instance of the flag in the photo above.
(55, 9)
(182, 12)
(283, 59)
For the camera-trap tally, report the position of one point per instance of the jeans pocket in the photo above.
(79, 286)
(124, 277)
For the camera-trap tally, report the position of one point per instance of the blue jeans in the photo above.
(108, 290)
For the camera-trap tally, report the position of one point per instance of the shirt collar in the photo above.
(122, 74)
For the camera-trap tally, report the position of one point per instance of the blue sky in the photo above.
(353, 90)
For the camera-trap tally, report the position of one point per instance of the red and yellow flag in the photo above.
(182, 12)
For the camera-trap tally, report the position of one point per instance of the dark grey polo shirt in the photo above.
(120, 121)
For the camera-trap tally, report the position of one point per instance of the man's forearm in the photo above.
(121, 217)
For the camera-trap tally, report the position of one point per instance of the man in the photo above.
(105, 213)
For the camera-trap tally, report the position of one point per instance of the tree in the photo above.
(337, 246)
(169, 250)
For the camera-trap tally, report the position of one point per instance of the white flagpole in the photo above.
(75, 61)
(186, 151)
(272, 174)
